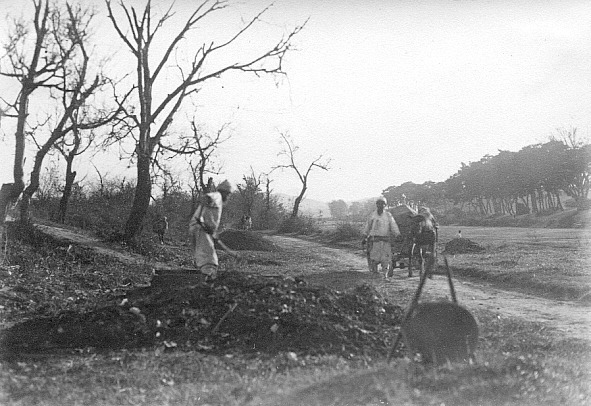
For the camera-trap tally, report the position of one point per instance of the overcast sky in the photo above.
(396, 91)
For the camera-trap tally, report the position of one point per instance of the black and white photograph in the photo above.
(295, 202)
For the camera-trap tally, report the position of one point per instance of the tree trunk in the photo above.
(19, 149)
(558, 202)
(550, 200)
(141, 199)
(534, 206)
(70, 176)
(297, 201)
(481, 206)
(33, 184)
(511, 206)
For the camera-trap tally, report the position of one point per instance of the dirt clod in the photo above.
(462, 246)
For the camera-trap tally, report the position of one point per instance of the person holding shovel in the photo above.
(380, 229)
(203, 230)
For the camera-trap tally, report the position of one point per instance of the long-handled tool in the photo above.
(226, 248)
(408, 314)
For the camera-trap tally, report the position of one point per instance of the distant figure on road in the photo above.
(159, 226)
(203, 229)
(210, 185)
(380, 229)
(459, 233)
(246, 222)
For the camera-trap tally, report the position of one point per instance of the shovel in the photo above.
(230, 252)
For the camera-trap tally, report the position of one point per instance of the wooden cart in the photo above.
(402, 246)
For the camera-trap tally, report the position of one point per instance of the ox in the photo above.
(423, 233)
(159, 226)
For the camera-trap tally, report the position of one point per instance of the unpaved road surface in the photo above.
(123, 256)
(567, 318)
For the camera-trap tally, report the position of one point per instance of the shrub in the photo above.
(299, 225)
(346, 231)
(583, 204)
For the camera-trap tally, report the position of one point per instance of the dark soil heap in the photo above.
(246, 240)
(462, 246)
(237, 313)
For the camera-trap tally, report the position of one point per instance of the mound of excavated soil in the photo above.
(247, 241)
(237, 313)
(462, 246)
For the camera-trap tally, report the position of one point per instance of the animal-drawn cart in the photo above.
(403, 255)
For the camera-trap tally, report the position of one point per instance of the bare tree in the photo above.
(72, 89)
(155, 116)
(289, 152)
(201, 150)
(34, 61)
(268, 201)
(70, 148)
(570, 138)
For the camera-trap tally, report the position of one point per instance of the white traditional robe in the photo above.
(209, 213)
(382, 228)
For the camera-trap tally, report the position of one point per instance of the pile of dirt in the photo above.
(236, 313)
(462, 246)
(243, 240)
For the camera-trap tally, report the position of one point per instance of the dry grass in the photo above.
(551, 263)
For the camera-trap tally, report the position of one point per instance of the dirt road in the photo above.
(342, 269)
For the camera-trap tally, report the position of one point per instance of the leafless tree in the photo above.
(169, 182)
(72, 89)
(268, 200)
(289, 152)
(200, 147)
(570, 138)
(138, 31)
(31, 58)
(70, 147)
(201, 150)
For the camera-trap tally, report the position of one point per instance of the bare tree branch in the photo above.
(69, 33)
(289, 152)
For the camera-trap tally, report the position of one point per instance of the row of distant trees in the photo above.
(530, 180)
(69, 101)
(357, 211)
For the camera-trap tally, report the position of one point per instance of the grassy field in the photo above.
(552, 263)
(521, 363)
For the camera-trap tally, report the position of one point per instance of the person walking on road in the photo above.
(203, 229)
(379, 231)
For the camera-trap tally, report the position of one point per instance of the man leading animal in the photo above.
(379, 231)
